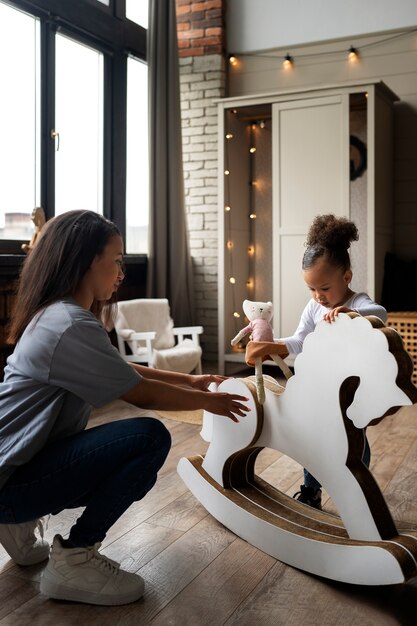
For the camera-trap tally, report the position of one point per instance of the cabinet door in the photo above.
(310, 177)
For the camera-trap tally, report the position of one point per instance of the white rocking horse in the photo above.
(351, 373)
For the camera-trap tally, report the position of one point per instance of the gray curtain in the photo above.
(169, 268)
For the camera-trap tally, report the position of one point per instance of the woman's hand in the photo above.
(333, 313)
(202, 382)
(226, 404)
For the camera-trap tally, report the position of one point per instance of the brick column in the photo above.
(203, 77)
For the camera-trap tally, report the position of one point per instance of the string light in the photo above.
(234, 277)
(353, 55)
(288, 62)
(233, 60)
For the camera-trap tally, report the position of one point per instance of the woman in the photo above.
(64, 364)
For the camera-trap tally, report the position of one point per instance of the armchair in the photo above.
(147, 328)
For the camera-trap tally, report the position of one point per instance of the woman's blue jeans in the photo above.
(104, 469)
(310, 481)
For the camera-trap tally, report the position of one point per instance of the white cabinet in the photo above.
(285, 158)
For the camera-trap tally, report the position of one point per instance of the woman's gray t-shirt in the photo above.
(63, 365)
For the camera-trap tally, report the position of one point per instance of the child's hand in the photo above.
(202, 382)
(333, 313)
(226, 404)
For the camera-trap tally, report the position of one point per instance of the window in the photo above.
(73, 115)
(19, 123)
(137, 11)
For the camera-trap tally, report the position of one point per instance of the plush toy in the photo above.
(261, 345)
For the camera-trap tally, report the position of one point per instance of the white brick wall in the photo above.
(202, 79)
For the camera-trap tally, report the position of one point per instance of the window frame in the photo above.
(106, 29)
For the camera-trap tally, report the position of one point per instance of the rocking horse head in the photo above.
(370, 356)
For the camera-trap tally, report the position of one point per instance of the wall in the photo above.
(202, 80)
(263, 24)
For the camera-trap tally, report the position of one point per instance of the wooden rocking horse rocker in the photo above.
(352, 373)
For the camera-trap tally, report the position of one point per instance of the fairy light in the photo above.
(234, 276)
(353, 55)
(288, 62)
(233, 60)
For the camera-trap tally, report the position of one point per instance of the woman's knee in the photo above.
(159, 434)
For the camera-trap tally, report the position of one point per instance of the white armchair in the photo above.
(146, 326)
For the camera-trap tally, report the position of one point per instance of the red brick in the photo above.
(213, 32)
(183, 26)
(207, 5)
(193, 34)
(197, 15)
(183, 10)
(181, 2)
(183, 43)
(183, 18)
(192, 52)
(214, 49)
(206, 41)
(213, 13)
(206, 23)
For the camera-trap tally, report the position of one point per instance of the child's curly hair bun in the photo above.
(331, 232)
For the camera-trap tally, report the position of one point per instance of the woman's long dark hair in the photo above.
(330, 237)
(54, 268)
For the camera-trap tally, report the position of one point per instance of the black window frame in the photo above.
(106, 29)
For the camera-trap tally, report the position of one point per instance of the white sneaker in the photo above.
(21, 543)
(85, 575)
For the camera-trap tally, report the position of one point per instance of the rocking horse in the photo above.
(351, 374)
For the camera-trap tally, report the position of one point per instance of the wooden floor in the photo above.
(197, 572)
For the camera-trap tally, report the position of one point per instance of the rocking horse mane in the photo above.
(314, 346)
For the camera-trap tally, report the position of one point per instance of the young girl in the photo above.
(327, 273)
(63, 364)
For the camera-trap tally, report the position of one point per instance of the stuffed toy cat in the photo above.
(261, 345)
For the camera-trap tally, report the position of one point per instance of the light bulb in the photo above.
(226, 172)
(288, 62)
(232, 280)
(227, 208)
(236, 314)
(232, 60)
(230, 244)
(252, 150)
(261, 124)
(353, 55)
(251, 249)
(252, 216)
(229, 136)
